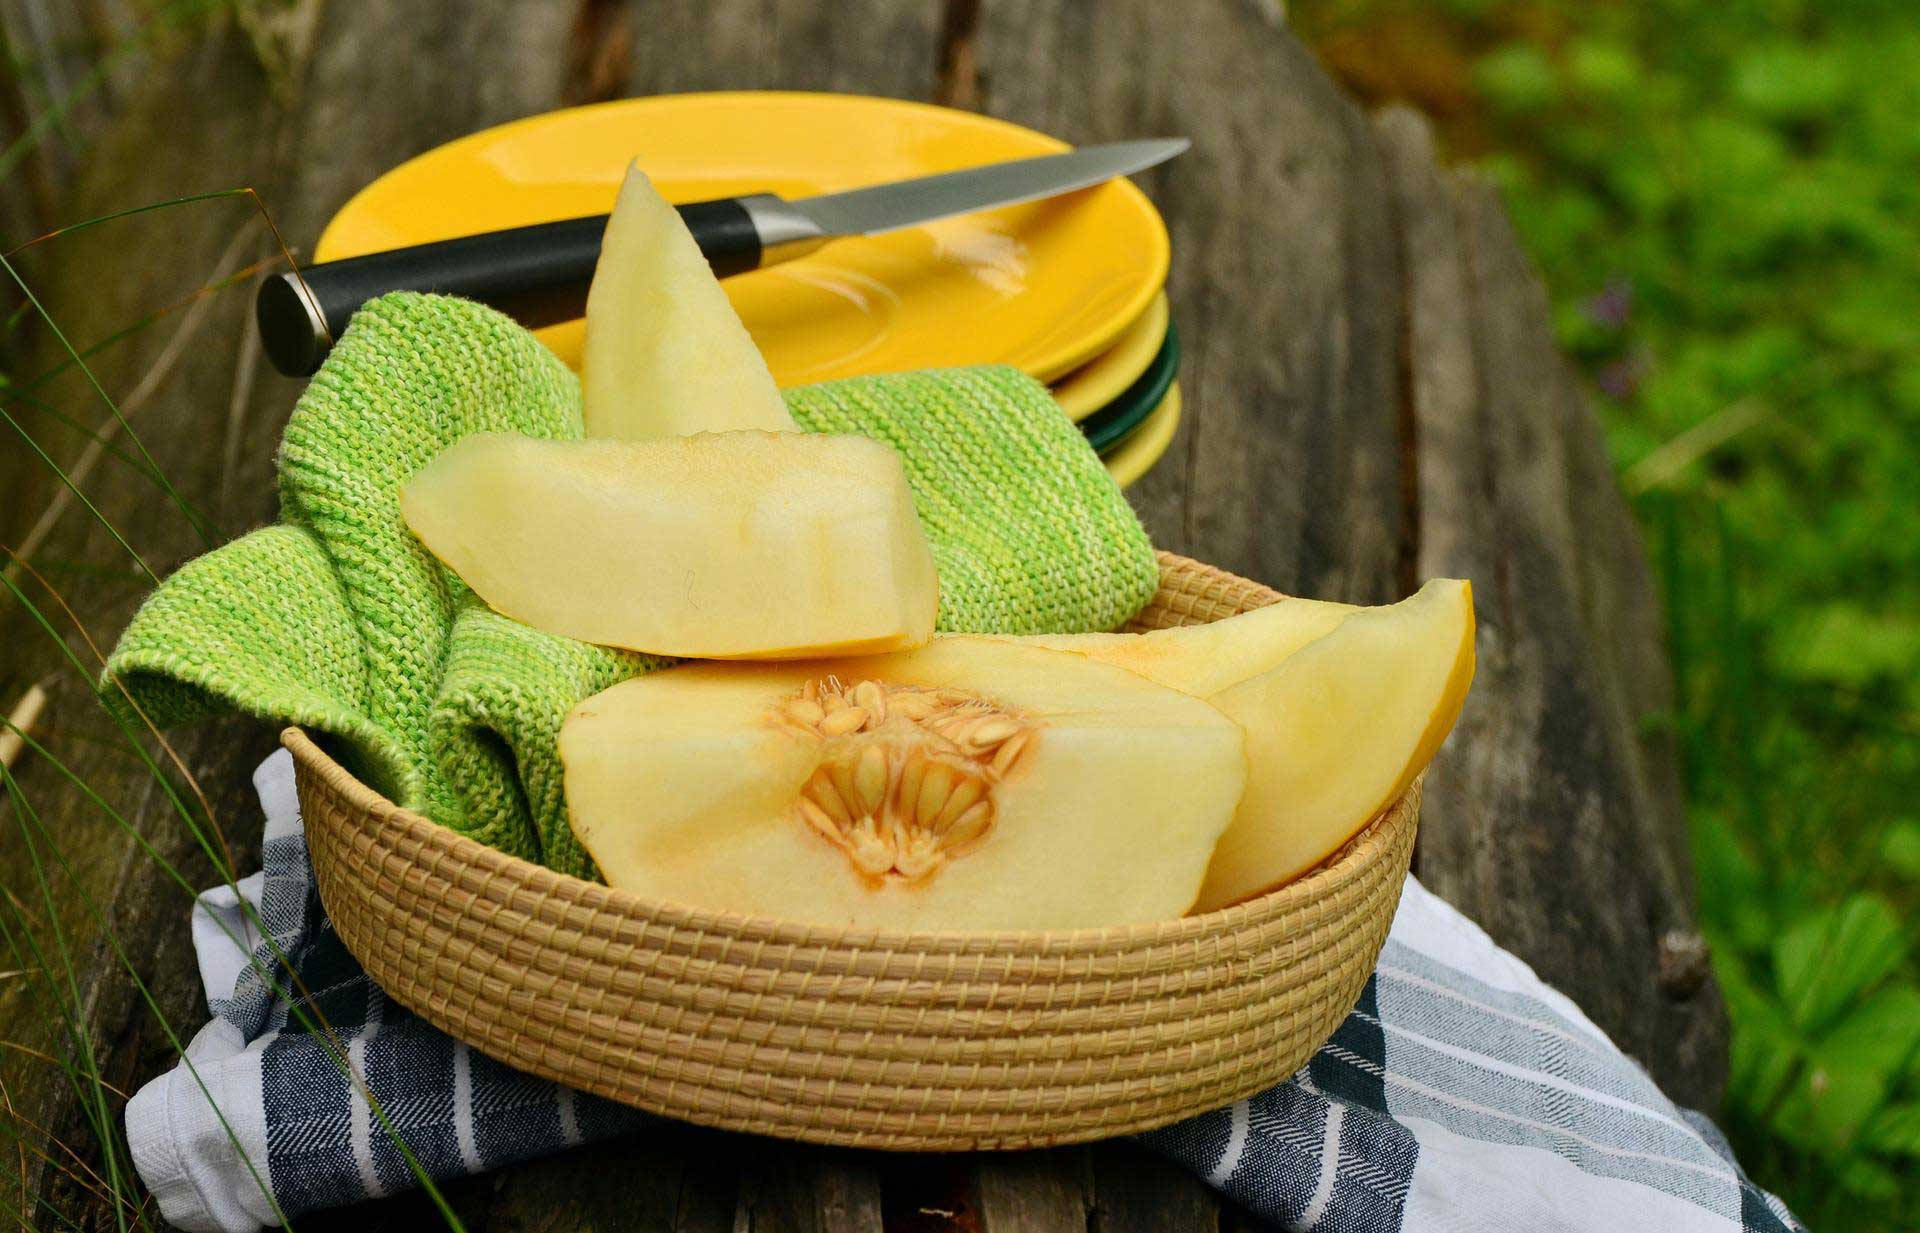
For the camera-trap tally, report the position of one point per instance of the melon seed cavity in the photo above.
(907, 777)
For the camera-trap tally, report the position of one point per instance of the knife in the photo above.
(539, 275)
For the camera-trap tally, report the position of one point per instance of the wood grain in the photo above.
(1036, 1192)
(1284, 282)
(1554, 817)
(1373, 395)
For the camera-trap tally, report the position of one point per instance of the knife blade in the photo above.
(540, 274)
(888, 207)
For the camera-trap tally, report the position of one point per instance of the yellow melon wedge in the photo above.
(717, 545)
(665, 352)
(1205, 659)
(1338, 731)
(968, 785)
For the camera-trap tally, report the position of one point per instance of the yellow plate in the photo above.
(1145, 444)
(1106, 376)
(1043, 286)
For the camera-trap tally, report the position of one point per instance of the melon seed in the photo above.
(906, 775)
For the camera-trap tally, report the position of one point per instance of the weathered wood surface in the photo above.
(1372, 396)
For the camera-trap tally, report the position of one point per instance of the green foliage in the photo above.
(1723, 197)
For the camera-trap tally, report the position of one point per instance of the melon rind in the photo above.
(1339, 731)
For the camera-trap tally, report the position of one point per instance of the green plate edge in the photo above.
(1108, 426)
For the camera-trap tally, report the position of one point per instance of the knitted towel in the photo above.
(338, 620)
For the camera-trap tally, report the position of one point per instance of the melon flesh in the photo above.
(1205, 659)
(665, 353)
(718, 545)
(968, 785)
(1338, 731)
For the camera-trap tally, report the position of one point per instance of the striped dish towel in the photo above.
(1461, 1094)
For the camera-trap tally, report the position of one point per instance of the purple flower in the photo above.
(1620, 379)
(1613, 305)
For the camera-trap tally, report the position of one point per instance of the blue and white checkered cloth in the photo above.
(1461, 1094)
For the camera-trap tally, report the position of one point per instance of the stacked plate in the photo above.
(1069, 290)
(1126, 399)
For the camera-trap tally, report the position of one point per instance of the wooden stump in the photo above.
(1372, 393)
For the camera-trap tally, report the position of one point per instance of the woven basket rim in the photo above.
(1346, 864)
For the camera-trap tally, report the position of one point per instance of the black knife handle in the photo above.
(537, 275)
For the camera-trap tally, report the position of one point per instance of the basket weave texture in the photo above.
(857, 1038)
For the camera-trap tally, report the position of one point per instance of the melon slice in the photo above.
(1204, 659)
(665, 352)
(1338, 731)
(968, 785)
(718, 545)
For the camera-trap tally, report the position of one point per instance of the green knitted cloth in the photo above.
(338, 620)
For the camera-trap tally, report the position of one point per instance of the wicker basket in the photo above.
(914, 1042)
